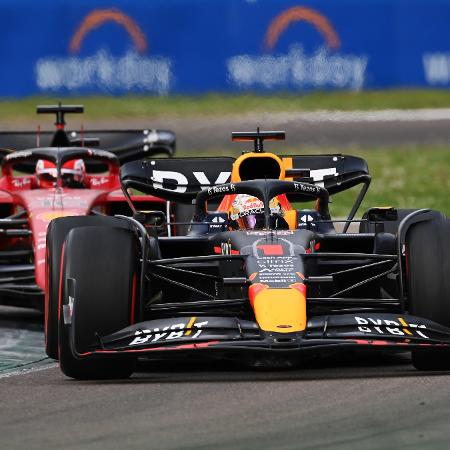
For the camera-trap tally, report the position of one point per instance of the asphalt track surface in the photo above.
(364, 401)
(320, 129)
(326, 129)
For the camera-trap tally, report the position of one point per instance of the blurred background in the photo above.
(365, 77)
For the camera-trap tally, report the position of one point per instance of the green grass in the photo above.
(216, 104)
(406, 177)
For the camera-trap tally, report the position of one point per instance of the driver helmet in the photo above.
(72, 173)
(247, 213)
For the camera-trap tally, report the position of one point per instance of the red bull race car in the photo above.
(47, 175)
(261, 277)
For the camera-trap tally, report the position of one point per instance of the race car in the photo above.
(58, 175)
(261, 279)
(126, 144)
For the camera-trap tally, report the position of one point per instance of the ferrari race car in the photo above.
(57, 175)
(259, 278)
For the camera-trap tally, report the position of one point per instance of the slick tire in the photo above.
(428, 283)
(56, 235)
(100, 263)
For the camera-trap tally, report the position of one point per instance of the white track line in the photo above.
(27, 370)
(385, 115)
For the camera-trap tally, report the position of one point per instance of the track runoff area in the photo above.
(367, 402)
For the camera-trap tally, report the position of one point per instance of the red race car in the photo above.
(64, 177)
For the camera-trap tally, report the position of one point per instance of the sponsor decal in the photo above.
(41, 241)
(306, 218)
(180, 181)
(21, 182)
(327, 66)
(318, 175)
(103, 71)
(19, 154)
(397, 327)
(99, 181)
(277, 269)
(264, 233)
(191, 330)
(221, 189)
(47, 202)
(306, 188)
(217, 223)
(247, 205)
(247, 212)
(437, 68)
(59, 201)
(102, 154)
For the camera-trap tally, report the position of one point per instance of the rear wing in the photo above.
(127, 145)
(180, 179)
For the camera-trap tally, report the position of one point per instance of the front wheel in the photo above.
(57, 232)
(428, 282)
(100, 273)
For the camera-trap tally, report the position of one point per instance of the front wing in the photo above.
(232, 337)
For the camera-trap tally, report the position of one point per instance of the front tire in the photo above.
(102, 262)
(57, 232)
(428, 281)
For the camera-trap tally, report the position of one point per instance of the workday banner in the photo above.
(195, 46)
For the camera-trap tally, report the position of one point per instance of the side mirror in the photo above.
(151, 219)
(380, 215)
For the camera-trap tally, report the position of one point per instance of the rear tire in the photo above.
(428, 281)
(57, 232)
(103, 263)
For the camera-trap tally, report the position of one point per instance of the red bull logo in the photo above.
(103, 71)
(326, 67)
